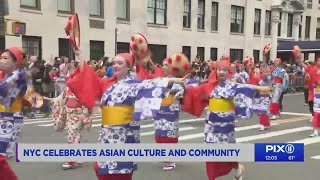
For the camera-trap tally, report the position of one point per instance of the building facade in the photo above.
(209, 28)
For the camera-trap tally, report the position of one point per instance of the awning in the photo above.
(306, 46)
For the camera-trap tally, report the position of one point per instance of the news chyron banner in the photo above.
(160, 152)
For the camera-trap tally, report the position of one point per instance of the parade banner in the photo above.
(160, 152)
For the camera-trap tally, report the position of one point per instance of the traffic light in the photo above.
(18, 28)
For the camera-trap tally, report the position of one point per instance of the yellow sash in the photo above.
(264, 93)
(168, 100)
(221, 105)
(16, 106)
(116, 115)
(318, 89)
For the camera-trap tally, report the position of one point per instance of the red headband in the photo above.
(225, 64)
(17, 54)
(128, 57)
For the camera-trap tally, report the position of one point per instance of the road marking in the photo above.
(296, 114)
(294, 94)
(272, 134)
(180, 130)
(307, 141)
(35, 122)
(302, 118)
(316, 157)
(199, 135)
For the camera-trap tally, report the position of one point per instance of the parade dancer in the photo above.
(166, 121)
(78, 117)
(219, 127)
(243, 73)
(67, 111)
(309, 71)
(12, 90)
(278, 83)
(124, 101)
(236, 78)
(262, 100)
(313, 75)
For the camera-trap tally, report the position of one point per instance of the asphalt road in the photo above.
(293, 126)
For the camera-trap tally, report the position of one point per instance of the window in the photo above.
(96, 50)
(256, 55)
(200, 52)
(31, 46)
(186, 50)
(65, 48)
(159, 52)
(187, 14)
(123, 10)
(201, 14)
(122, 47)
(309, 4)
(268, 23)
(257, 21)
(308, 24)
(318, 29)
(32, 4)
(279, 24)
(2, 42)
(237, 19)
(214, 16)
(97, 8)
(290, 25)
(236, 54)
(213, 54)
(157, 12)
(300, 27)
(306, 56)
(66, 6)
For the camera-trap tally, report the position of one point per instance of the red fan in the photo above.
(73, 30)
(266, 49)
(249, 61)
(296, 52)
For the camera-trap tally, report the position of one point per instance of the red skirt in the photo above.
(6, 172)
(217, 169)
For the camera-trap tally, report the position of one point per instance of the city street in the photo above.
(294, 126)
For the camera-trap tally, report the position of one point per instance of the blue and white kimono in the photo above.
(166, 122)
(278, 75)
(146, 96)
(262, 101)
(12, 88)
(236, 77)
(192, 82)
(220, 127)
(244, 75)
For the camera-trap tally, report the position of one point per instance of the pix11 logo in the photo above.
(289, 148)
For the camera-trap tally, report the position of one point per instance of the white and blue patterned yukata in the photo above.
(316, 99)
(220, 127)
(278, 88)
(14, 85)
(262, 101)
(166, 122)
(146, 96)
(236, 77)
(244, 75)
(192, 82)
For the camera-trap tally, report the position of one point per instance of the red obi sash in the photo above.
(277, 80)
